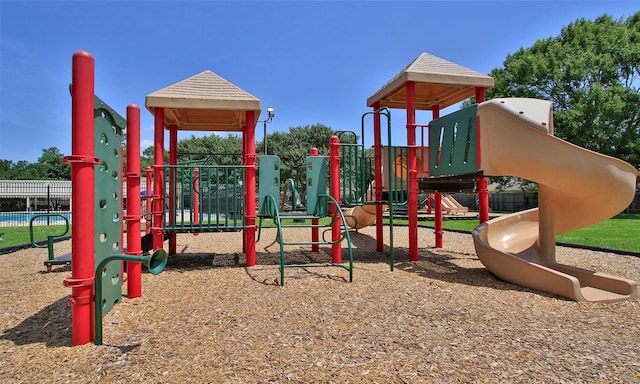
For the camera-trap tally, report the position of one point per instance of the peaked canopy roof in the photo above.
(437, 82)
(204, 102)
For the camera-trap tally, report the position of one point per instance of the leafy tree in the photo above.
(225, 150)
(293, 147)
(52, 166)
(146, 160)
(591, 74)
(5, 169)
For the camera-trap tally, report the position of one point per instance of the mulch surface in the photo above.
(208, 319)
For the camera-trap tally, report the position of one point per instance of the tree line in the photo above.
(590, 72)
(50, 166)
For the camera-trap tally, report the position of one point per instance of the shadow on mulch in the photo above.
(51, 325)
(436, 265)
(440, 267)
(199, 261)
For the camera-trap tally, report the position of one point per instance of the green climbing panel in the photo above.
(316, 185)
(268, 183)
(109, 133)
(452, 143)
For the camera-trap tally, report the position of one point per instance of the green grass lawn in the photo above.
(20, 235)
(621, 232)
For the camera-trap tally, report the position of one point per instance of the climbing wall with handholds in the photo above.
(109, 134)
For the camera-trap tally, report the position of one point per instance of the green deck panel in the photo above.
(109, 129)
(452, 143)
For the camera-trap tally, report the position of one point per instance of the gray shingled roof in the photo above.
(437, 82)
(205, 101)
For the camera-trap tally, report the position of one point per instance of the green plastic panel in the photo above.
(268, 182)
(109, 133)
(452, 143)
(316, 185)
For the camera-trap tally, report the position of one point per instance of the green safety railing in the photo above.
(398, 175)
(204, 198)
(357, 171)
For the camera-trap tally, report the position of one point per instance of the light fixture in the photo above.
(270, 115)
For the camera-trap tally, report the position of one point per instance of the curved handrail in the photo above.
(50, 238)
(291, 184)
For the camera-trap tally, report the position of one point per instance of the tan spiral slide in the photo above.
(577, 188)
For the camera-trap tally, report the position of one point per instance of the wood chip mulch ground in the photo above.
(208, 319)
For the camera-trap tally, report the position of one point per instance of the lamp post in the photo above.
(270, 117)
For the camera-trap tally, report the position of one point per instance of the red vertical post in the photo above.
(377, 165)
(244, 163)
(148, 205)
(158, 179)
(122, 204)
(173, 160)
(249, 138)
(334, 177)
(483, 182)
(82, 162)
(134, 241)
(315, 231)
(413, 171)
(439, 231)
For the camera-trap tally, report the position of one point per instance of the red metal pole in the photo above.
(173, 160)
(377, 162)
(196, 195)
(82, 162)
(122, 207)
(315, 231)
(334, 175)
(250, 188)
(244, 163)
(148, 202)
(134, 241)
(483, 182)
(158, 179)
(412, 205)
(439, 231)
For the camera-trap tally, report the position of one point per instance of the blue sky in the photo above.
(313, 61)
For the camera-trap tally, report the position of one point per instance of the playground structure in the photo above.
(464, 148)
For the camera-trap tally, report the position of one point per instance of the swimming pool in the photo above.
(20, 219)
